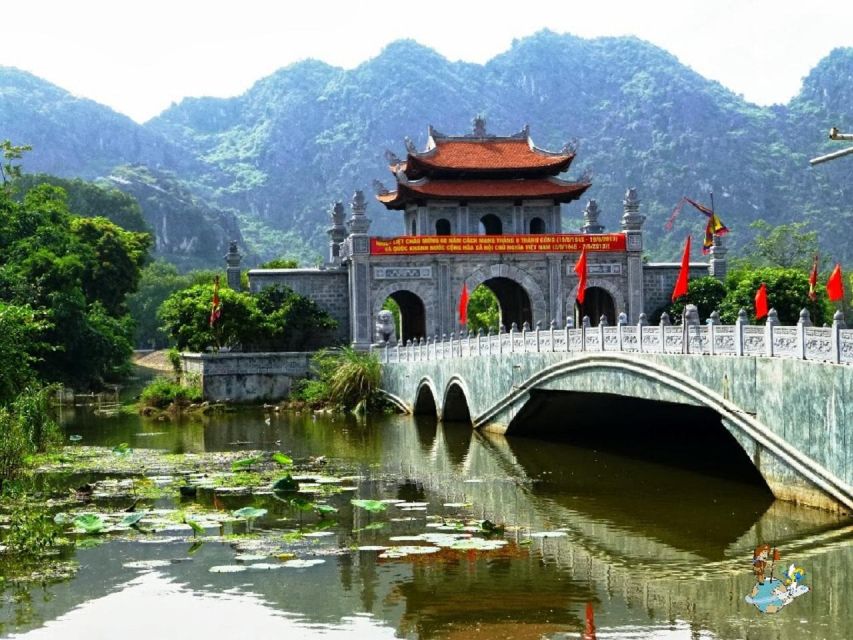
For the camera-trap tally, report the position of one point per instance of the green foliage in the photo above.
(787, 292)
(27, 427)
(350, 377)
(19, 331)
(276, 319)
(74, 274)
(161, 393)
(484, 312)
(10, 170)
(706, 293)
(280, 263)
(373, 506)
(89, 523)
(783, 245)
(31, 530)
(391, 305)
(281, 459)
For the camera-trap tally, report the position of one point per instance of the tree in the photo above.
(484, 312)
(787, 292)
(788, 246)
(9, 170)
(706, 293)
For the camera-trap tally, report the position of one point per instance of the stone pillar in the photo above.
(590, 218)
(632, 224)
(555, 289)
(717, 267)
(361, 327)
(337, 233)
(232, 270)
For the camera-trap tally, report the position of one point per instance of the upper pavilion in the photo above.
(504, 182)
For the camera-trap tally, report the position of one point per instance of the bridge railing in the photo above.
(823, 344)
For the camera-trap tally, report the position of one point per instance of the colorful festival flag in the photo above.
(715, 226)
(216, 306)
(813, 281)
(761, 302)
(684, 274)
(835, 285)
(581, 270)
(463, 304)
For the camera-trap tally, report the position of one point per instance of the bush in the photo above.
(162, 393)
(787, 292)
(26, 427)
(351, 377)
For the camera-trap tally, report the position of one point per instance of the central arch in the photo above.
(597, 302)
(519, 296)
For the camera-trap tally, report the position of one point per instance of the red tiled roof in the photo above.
(479, 154)
(493, 189)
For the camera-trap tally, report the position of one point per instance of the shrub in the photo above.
(351, 377)
(162, 393)
(26, 427)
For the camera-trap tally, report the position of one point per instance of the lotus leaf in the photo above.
(374, 506)
(324, 509)
(132, 519)
(283, 460)
(122, 449)
(89, 523)
(249, 513)
(244, 463)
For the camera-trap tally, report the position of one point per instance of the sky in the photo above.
(138, 57)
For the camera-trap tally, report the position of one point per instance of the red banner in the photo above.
(539, 243)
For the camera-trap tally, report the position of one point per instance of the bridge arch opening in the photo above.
(456, 405)
(409, 314)
(425, 404)
(512, 300)
(597, 302)
(666, 433)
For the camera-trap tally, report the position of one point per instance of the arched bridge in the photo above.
(780, 392)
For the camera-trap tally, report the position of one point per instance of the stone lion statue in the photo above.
(385, 327)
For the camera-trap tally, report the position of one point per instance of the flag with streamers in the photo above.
(813, 280)
(216, 305)
(714, 227)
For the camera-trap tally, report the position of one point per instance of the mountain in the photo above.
(310, 133)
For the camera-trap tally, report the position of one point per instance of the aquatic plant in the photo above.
(285, 484)
(162, 393)
(249, 513)
(281, 459)
(89, 523)
(345, 378)
(245, 463)
(372, 506)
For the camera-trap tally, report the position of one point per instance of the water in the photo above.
(656, 552)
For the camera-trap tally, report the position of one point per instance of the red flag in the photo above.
(835, 285)
(683, 274)
(813, 281)
(761, 302)
(580, 270)
(463, 304)
(216, 306)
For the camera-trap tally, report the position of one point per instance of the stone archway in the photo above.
(520, 297)
(413, 299)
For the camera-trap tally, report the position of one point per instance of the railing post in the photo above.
(837, 325)
(399, 344)
(569, 324)
(512, 329)
(772, 321)
(443, 346)
(538, 335)
(642, 322)
(585, 326)
(553, 326)
(664, 322)
(712, 322)
(501, 330)
(385, 350)
(602, 322)
(525, 329)
(621, 321)
(740, 323)
(804, 321)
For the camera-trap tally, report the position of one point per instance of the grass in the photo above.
(162, 393)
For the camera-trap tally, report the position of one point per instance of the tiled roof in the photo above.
(477, 154)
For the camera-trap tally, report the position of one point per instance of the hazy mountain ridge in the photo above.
(311, 133)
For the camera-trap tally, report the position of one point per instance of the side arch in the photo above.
(538, 301)
(455, 405)
(422, 290)
(426, 399)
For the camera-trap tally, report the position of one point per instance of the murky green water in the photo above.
(656, 552)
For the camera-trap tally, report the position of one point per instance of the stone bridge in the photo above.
(780, 392)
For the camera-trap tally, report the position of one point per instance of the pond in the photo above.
(475, 536)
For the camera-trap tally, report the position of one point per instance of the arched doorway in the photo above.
(442, 227)
(537, 226)
(597, 302)
(491, 225)
(409, 315)
(512, 300)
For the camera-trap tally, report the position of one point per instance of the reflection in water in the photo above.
(658, 553)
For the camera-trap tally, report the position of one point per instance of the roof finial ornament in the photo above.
(380, 188)
(571, 146)
(410, 146)
(586, 176)
(391, 157)
(479, 126)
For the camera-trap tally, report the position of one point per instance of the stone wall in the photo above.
(327, 287)
(659, 279)
(246, 377)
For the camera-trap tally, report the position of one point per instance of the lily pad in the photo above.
(244, 463)
(132, 519)
(324, 509)
(227, 568)
(301, 564)
(249, 513)
(319, 534)
(372, 547)
(265, 566)
(250, 557)
(89, 523)
(403, 551)
(75, 438)
(283, 460)
(373, 506)
(478, 544)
